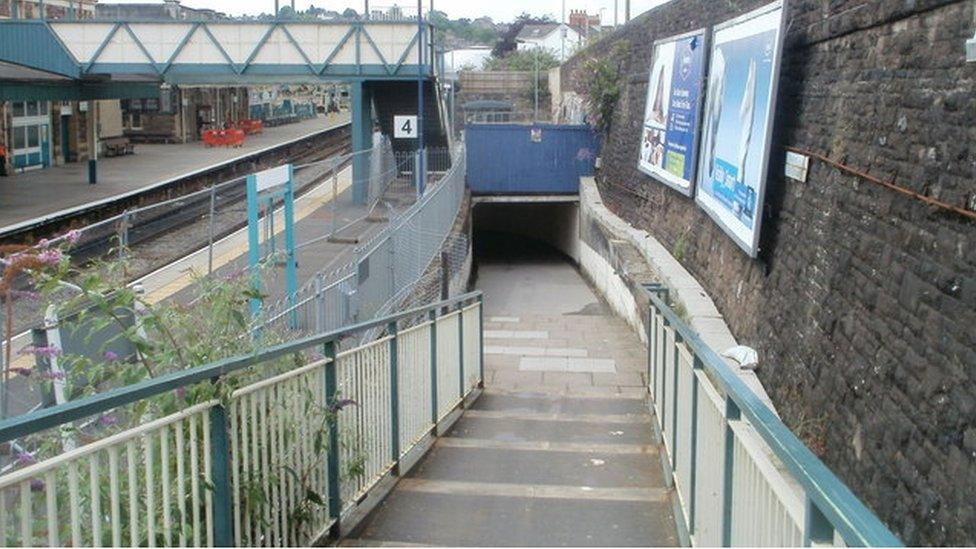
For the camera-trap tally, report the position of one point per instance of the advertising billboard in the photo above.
(669, 139)
(738, 120)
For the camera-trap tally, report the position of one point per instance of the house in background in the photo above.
(559, 38)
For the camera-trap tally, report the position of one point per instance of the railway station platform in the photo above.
(31, 198)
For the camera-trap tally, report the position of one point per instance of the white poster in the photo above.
(669, 137)
(738, 121)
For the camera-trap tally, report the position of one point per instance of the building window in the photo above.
(20, 138)
(33, 136)
(135, 121)
(18, 109)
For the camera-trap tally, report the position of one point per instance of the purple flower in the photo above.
(37, 485)
(43, 243)
(342, 403)
(108, 420)
(180, 392)
(46, 351)
(25, 458)
(53, 375)
(50, 257)
(26, 372)
(73, 236)
(111, 356)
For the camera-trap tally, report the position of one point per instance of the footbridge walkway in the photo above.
(536, 431)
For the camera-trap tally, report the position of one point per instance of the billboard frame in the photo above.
(750, 247)
(706, 35)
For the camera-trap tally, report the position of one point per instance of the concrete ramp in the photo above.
(560, 448)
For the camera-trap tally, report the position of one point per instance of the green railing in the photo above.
(276, 462)
(741, 476)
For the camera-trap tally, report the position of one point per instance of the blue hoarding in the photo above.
(737, 122)
(669, 138)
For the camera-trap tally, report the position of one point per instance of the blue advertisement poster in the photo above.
(737, 122)
(669, 138)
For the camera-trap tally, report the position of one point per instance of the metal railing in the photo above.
(276, 462)
(741, 476)
(155, 238)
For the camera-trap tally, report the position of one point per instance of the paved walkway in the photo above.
(559, 450)
(42, 193)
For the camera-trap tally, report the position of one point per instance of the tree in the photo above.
(508, 41)
(523, 60)
(350, 13)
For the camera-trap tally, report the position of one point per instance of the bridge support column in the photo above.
(362, 139)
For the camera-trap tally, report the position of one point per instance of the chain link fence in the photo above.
(204, 231)
(387, 267)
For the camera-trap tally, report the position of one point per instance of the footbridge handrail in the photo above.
(279, 461)
(741, 475)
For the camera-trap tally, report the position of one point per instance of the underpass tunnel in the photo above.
(553, 224)
(526, 255)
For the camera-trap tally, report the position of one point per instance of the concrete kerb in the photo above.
(700, 311)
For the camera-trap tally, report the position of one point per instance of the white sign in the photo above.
(797, 166)
(273, 177)
(405, 126)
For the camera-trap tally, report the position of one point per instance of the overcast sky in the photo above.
(499, 10)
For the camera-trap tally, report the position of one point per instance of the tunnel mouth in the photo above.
(525, 230)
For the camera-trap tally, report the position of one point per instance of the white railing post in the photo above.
(732, 413)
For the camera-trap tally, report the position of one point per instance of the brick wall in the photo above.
(863, 301)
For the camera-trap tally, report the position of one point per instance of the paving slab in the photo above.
(463, 520)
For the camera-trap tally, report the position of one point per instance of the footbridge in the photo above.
(391, 67)
(221, 52)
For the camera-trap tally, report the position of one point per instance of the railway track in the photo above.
(298, 152)
(164, 234)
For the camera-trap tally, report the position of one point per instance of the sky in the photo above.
(499, 10)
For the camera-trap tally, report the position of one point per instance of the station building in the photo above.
(38, 133)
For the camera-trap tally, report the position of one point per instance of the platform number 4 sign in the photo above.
(405, 127)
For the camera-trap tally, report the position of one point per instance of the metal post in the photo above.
(616, 14)
(732, 413)
(223, 526)
(674, 401)
(335, 199)
(210, 229)
(626, 11)
(535, 112)
(92, 142)
(461, 352)
(123, 234)
(394, 398)
(481, 341)
(817, 530)
(432, 317)
(697, 366)
(332, 463)
(418, 179)
(5, 353)
(421, 58)
(319, 304)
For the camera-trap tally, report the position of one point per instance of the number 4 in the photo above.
(407, 128)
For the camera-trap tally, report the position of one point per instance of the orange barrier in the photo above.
(223, 138)
(251, 126)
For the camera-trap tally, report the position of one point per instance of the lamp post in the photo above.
(535, 112)
(421, 42)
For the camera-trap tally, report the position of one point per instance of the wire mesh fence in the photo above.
(384, 269)
(204, 233)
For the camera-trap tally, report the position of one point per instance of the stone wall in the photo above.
(862, 303)
(518, 87)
